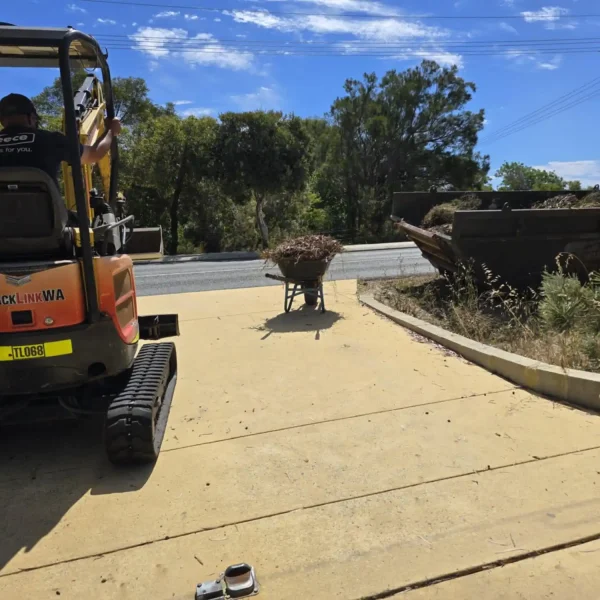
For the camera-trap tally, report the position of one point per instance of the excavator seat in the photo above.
(33, 216)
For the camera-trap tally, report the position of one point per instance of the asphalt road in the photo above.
(177, 278)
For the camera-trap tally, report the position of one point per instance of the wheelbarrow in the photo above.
(304, 277)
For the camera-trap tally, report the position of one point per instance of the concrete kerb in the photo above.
(244, 256)
(376, 247)
(575, 387)
(183, 258)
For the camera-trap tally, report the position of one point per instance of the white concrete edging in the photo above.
(573, 386)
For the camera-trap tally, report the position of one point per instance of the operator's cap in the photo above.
(16, 104)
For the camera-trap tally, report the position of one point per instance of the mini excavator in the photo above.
(70, 331)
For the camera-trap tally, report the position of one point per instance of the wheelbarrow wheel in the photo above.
(311, 298)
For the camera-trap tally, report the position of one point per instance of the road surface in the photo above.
(176, 278)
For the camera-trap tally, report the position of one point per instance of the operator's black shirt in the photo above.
(27, 147)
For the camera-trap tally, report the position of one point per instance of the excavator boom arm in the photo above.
(90, 108)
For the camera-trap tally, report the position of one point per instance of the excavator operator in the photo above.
(22, 144)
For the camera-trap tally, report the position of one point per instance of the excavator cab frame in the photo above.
(78, 346)
(63, 48)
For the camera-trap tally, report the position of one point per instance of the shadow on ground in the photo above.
(306, 318)
(45, 470)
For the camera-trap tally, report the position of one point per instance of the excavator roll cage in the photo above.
(66, 48)
(79, 350)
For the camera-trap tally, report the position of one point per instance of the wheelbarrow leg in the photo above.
(289, 296)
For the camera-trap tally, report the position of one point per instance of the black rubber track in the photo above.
(136, 418)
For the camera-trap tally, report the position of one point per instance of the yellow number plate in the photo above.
(47, 350)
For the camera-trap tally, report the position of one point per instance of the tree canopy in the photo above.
(409, 130)
(518, 177)
(244, 180)
(260, 155)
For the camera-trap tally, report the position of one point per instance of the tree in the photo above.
(414, 122)
(517, 177)
(151, 170)
(261, 154)
(131, 100)
(163, 170)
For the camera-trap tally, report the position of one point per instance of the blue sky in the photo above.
(225, 65)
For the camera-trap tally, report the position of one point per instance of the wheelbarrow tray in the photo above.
(303, 270)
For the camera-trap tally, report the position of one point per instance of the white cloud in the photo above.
(217, 20)
(552, 64)
(550, 16)
(264, 98)
(106, 21)
(446, 59)
(154, 40)
(441, 57)
(538, 61)
(190, 17)
(357, 6)
(586, 171)
(546, 13)
(506, 27)
(197, 112)
(376, 29)
(214, 54)
(181, 102)
(134, 24)
(166, 14)
(75, 8)
(201, 49)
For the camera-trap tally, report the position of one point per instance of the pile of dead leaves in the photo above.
(445, 229)
(305, 248)
(591, 200)
(561, 201)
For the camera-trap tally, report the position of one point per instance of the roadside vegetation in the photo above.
(248, 180)
(559, 323)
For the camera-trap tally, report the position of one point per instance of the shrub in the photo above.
(565, 304)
